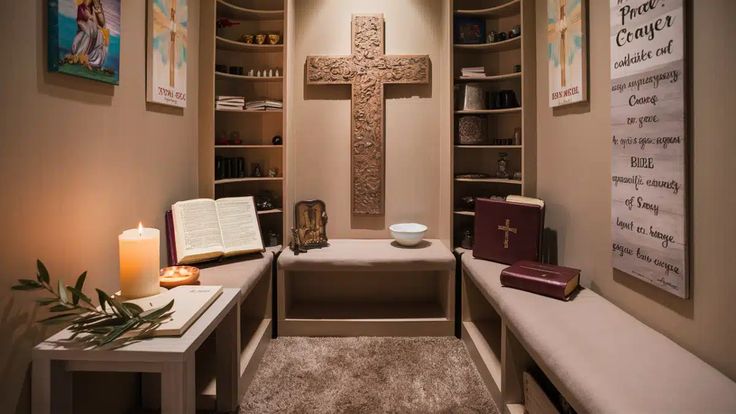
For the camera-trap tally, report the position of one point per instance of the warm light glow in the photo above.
(140, 229)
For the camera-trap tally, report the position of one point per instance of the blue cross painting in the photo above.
(84, 38)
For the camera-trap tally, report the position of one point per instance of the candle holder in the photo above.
(173, 276)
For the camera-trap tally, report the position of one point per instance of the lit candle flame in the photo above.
(140, 229)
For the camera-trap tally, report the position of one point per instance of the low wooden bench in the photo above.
(367, 287)
(252, 275)
(600, 358)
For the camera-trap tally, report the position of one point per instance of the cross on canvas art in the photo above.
(166, 63)
(84, 39)
(566, 52)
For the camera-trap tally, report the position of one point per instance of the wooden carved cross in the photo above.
(563, 21)
(367, 69)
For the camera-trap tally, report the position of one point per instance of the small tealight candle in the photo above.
(178, 275)
(139, 262)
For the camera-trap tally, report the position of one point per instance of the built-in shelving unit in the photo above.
(501, 61)
(246, 134)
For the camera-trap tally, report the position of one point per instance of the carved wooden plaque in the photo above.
(367, 69)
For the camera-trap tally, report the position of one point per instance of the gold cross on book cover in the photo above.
(506, 229)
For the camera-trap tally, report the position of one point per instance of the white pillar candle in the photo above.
(139, 262)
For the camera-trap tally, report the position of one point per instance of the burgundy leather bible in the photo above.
(170, 239)
(507, 231)
(545, 279)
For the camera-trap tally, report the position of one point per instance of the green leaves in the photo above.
(27, 284)
(114, 322)
(43, 273)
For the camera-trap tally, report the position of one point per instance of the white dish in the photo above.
(408, 234)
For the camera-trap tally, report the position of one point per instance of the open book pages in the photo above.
(525, 200)
(189, 303)
(206, 229)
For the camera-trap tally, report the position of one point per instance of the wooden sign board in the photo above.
(649, 217)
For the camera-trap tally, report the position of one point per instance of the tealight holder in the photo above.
(174, 276)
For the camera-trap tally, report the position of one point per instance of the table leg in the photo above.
(51, 387)
(177, 387)
(228, 361)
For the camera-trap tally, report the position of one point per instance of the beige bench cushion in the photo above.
(370, 255)
(602, 358)
(242, 275)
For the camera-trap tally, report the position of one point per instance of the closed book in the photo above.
(507, 231)
(549, 280)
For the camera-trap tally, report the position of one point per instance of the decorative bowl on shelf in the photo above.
(173, 276)
(408, 234)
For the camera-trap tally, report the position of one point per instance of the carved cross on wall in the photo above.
(367, 69)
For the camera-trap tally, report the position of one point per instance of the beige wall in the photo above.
(79, 162)
(574, 178)
(417, 121)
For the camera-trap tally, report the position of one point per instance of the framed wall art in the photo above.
(567, 54)
(166, 58)
(84, 39)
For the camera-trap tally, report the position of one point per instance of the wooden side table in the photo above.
(172, 357)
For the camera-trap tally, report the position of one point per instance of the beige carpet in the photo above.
(367, 375)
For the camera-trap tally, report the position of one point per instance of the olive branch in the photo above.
(94, 325)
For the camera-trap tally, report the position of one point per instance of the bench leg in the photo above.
(228, 361)
(51, 387)
(177, 388)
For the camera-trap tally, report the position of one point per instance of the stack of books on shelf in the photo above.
(230, 103)
(474, 72)
(264, 105)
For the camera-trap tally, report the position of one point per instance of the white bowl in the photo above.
(408, 234)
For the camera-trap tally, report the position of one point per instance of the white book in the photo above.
(205, 229)
(525, 200)
(190, 302)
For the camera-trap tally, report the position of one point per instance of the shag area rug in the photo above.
(367, 375)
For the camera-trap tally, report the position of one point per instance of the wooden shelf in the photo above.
(225, 9)
(259, 111)
(489, 180)
(247, 180)
(479, 332)
(488, 111)
(272, 211)
(505, 76)
(503, 45)
(223, 75)
(511, 8)
(227, 44)
(247, 146)
(366, 311)
(489, 146)
(465, 213)
(516, 408)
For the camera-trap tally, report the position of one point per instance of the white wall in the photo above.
(79, 162)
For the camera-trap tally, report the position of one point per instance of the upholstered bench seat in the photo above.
(601, 358)
(243, 274)
(371, 255)
(367, 287)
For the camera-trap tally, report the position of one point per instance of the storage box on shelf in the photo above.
(231, 67)
(508, 65)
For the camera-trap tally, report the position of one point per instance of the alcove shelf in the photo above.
(254, 129)
(488, 111)
(510, 8)
(228, 44)
(502, 45)
(508, 65)
(249, 78)
(489, 78)
(232, 11)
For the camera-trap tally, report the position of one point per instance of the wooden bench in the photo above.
(367, 287)
(600, 358)
(252, 275)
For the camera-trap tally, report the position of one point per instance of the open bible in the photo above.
(204, 229)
